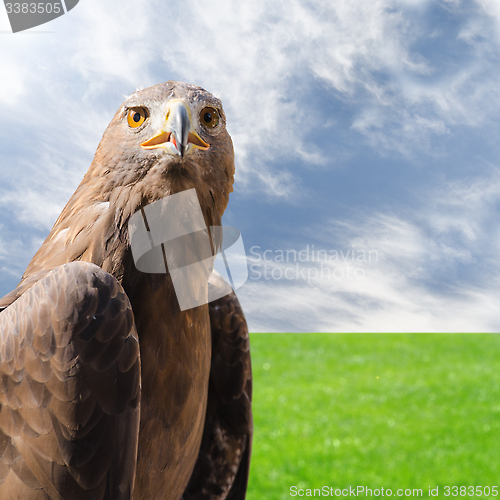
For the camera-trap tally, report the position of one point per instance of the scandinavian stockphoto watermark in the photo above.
(24, 15)
(310, 264)
(202, 269)
(170, 236)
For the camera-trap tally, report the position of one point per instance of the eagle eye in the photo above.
(136, 117)
(209, 117)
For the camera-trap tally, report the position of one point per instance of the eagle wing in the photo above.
(221, 471)
(69, 389)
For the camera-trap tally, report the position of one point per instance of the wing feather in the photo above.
(69, 389)
(221, 471)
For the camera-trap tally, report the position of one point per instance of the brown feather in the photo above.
(221, 472)
(56, 441)
(78, 365)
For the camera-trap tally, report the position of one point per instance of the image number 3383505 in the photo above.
(24, 15)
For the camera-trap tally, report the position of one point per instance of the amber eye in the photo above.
(209, 117)
(136, 117)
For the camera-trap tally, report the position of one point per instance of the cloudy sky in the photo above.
(366, 135)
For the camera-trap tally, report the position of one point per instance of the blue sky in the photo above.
(364, 131)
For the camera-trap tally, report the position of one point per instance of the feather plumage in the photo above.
(69, 337)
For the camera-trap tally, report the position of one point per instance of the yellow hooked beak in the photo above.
(177, 136)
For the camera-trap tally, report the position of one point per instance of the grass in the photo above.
(379, 410)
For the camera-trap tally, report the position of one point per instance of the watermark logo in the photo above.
(170, 236)
(26, 15)
(311, 265)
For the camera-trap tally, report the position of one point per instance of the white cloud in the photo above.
(492, 8)
(266, 60)
(296, 308)
(274, 52)
(262, 58)
(409, 282)
(362, 52)
(11, 88)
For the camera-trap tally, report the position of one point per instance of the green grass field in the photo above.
(379, 410)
